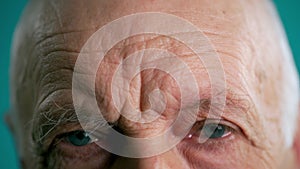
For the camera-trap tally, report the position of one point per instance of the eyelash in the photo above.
(191, 146)
(196, 130)
(62, 144)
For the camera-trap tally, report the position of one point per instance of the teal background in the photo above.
(9, 15)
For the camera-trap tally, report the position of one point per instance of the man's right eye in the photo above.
(76, 149)
(78, 138)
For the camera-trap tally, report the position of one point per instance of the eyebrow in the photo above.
(57, 116)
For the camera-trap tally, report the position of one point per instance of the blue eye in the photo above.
(78, 138)
(214, 131)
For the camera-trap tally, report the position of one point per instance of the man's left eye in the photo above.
(214, 131)
(78, 138)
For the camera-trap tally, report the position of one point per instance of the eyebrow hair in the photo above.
(237, 107)
(241, 110)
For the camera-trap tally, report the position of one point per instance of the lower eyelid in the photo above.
(211, 145)
(218, 150)
(89, 155)
(195, 138)
(89, 150)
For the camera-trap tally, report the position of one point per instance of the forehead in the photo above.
(63, 27)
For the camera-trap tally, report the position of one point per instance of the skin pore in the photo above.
(244, 33)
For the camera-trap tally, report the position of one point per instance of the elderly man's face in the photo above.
(248, 135)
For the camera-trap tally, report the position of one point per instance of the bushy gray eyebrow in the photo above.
(56, 114)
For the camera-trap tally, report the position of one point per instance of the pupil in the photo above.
(80, 135)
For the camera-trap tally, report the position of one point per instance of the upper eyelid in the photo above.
(223, 122)
(65, 135)
(55, 136)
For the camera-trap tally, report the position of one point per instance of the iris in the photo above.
(214, 131)
(79, 138)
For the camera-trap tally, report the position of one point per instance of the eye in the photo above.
(214, 131)
(78, 138)
(77, 149)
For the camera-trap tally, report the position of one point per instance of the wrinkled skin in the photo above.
(51, 35)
